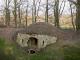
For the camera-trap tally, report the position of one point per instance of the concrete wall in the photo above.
(22, 40)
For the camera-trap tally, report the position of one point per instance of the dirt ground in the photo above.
(8, 33)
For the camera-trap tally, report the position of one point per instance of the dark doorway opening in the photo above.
(32, 42)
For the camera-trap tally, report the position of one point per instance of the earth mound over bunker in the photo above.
(43, 29)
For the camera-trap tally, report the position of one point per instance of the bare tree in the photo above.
(27, 12)
(77, 4)
(7, 12)
(15, 12)
(56, 13)
(78, 15)
(72, 15)
(46, 12)
(19, 4)
(34, 12)
(61, 11)
(37, 12)
(19, 15)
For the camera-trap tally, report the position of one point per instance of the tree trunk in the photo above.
(19, 16)
(72, 16)
(34, 12)
(46, 13)
(7, 13)
(56, 13)
(15, 12)
(26, 17)
(78, 15)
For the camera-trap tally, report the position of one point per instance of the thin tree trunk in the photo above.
(19, 16)
(78, 15)
(77, 22)
(15, 12)
(26, 17)
(56, 13)
(46, 13)
(72, 16)
(7, 13)
(37, 12)
(34, 12)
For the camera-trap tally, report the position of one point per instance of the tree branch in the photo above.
(72, 2)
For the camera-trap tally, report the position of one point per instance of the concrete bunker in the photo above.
(37, 36)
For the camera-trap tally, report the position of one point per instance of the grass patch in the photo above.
(3, 55)
(71, 53)
(53, 52)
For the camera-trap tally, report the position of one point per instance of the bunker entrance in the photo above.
(32, 42)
